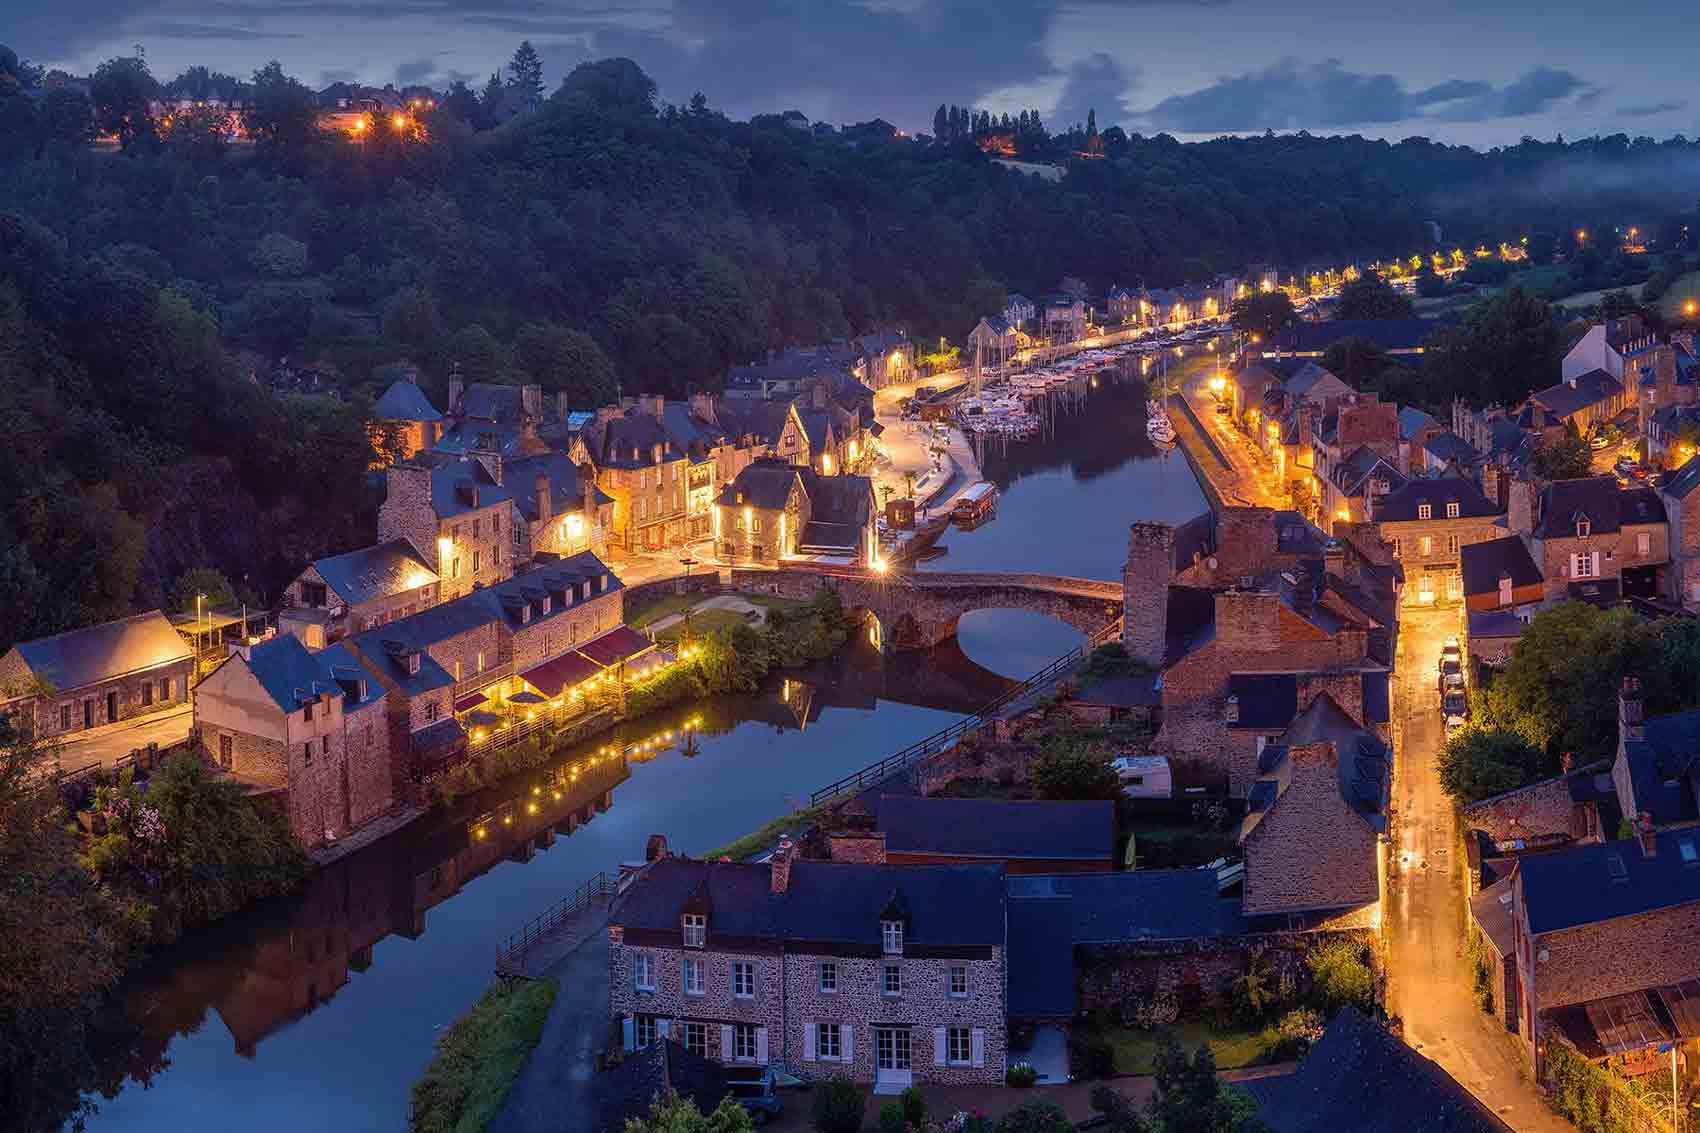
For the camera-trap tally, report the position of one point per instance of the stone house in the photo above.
(1064, 318)
(1315, 821)
(1416, 429)
(406, 410)
(1019, 311)
(1593, 539)
(97, 675)
(1022, 835)
(656, 461)
(1351, 485)
(775, 510)
(785, 373)
(313, 724)
(1121, 305)
(1584, 401)
(885, 357)
(1682, 513)
(1656, 774)
(457, 515)
(1606, 940)
(757, 429)
(892, 974)
(563, 513)
(360, 589)
(1428, 522)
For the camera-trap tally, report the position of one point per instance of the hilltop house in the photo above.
(885, 357)
(893, 975)
(101, 674)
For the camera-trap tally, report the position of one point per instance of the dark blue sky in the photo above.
(1456, 70)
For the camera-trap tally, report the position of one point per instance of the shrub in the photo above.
(891, 1118)
(839, 1106)
(1021, 1075)
(1035, 1117)
(1091, 1056)
(479, 1057)
(1341, 974)
(914, 1106)
(1293, 1035)
(1068, 770)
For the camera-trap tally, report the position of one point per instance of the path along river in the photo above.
(318, 1012)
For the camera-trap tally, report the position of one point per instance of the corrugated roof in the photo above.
(98, 653)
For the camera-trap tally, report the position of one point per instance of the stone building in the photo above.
(995, 341)
(1682, 514)
(1595, 540)
(313, 724)
(405, 411)
(885, 357)
(775, 510)
(891, 974)
(360, 589)
(656, 461)
(86, 678)
(457, 514)
(1500, 576)
(1428, 522)
(557, 508)
(1608, 347)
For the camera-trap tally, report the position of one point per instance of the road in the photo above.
(1429, 980)
(108, 744)
(1251, 482)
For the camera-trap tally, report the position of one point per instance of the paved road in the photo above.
(165, 729)
(1252, 481)
(1429, 984)
(558, 1089)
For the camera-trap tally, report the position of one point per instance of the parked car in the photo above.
(1223, 407)
(753, 1087)
(1599, 443)
(1455, 704)
(1625, 464)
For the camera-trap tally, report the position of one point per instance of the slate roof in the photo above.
(1413, 420)
(1484, 564)
(346, 669)
(488, 401)
(1683, 480)
(405, 401)
(1663, 766)
(1449, 446)
(998, 829)
(81, 657)
(1596, 497)
(828, 902)
(1351, 474)
(451, 480)
(764, 484)
(290, 674)
(1134, 905)
(379, 571)
(566, 488)
(1307, 376)
(792, 365)
(1389, 334)
(1363, 765)
(1640, 504)
(1267, 701)
(1565, 398)
(1401, 504)
(1040, 959)
(1495, 623)
(1358, 1078)
(1599, 881)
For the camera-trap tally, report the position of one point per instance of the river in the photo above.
(319, 1011)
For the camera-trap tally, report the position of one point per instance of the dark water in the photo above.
(318, 1012)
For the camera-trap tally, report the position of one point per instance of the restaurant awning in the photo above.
(470, 700)
(561, 672)
(619, 644)
(527, 698)
(439, 742)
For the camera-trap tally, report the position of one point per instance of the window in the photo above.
(1425, 511)
(147, 693)
(643, 1033)
(696, 928)
(431, 712)
(696, 977)
(959, 981)
(1425, 546)
(325, 746)
(829, 1042)
(959, 1046)
(1452, 509)
(165, 689)
(477, 528)
(457, 533)
(744, 1042)
(475, 562)
(307, 752)
(891, 937)
(696, 1039)
(517, 538)
(1505, 591)
(1584, 528)
(64, 717)
(1583, 566)
(743, 979)
(454, 567)
(1398, 548)
(755, 525)
(829, 977)
(481, 660)
(1452, 544)
(891, 980)
(307, 712)
(1643, 546)
(496, 555)
(643, 972)
(226, 751)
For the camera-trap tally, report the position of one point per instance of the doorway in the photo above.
(892, 1071)
(111, 707)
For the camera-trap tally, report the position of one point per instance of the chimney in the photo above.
(1491, 483)
(1334, 558)
(1520, 500)
(656, 848)
(655, 404)
(702, 407)
(1629, 710)
(780, 880)
(1646, 835)
(609, 413)
(561, 406)
(540, 486)
(457, 391)
(820, 395)
(531, 401)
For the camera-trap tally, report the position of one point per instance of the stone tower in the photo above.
(1145, 591)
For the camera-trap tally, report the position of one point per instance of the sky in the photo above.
(1459, 71)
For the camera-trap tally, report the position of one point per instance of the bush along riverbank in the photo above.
(480, 1056)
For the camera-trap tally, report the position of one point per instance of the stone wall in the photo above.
(647, 593)
(1538, 810)
(1310, 850)
(1617, 956)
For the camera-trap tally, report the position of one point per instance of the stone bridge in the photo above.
(918, 611)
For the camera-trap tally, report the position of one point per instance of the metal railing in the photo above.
(510, 954)
(879, 772)
(488, 677)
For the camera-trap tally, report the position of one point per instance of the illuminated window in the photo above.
(1452, 509)
(1425, 511)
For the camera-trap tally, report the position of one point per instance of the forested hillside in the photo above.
(597, 243)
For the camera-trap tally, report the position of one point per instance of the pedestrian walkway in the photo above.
(110, 742)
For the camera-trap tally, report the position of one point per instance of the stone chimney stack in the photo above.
(1334, 558)
(780, 880)
(587, 489)
(1491, 483)
(1646, 835)
(821, 394)
(702, 407)
(1149, 573)
(540, 490)
(1520, 505)
(656, 848)
(457, 392)
(531, 401)
(406, 511)
(1629, 711)
(654, 404)
(561, 410)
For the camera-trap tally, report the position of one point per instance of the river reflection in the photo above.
(318, 1011)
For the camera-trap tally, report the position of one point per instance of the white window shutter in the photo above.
(978, 1040)
(847, 1042)
(1596, 564)
(628, 1032)
(761, 1045)
(938, 1046)
(725, 1043)
(664, 1027)
(809, 1047)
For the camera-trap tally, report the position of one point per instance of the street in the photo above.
(1251, 481)
(1429, 979)
(104, 745)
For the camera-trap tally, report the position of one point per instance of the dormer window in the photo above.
(656, 452)
(1583, 527)
(413, 664)
(1451, 509)
(1425, 511)
(695, 927)
(891, 937)
(548, 603)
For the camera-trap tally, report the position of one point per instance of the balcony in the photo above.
(488, 677)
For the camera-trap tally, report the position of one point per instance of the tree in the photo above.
(280, 256)
(1190, 1099)
(1618, 304)
(525, 73)
(123, 90)
(941, 124)
(1264, 314)
(201, 588)
(1566, 457)
(673, 1114)
(283, 114)
(1507, 347)
(1341, 974)
(1430, 284)
(66, 116)
(839, 1106)
(565, 360)
(1477, 763)
(1068, 770)
(610, 84)
(1371, 297)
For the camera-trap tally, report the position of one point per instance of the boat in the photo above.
(975, 503)
(1158, 428)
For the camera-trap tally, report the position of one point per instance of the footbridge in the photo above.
(920, 610)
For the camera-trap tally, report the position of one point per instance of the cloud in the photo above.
(174, 29)
(1648, 109)
(1098, 83)
(415, 71)
(1292, 95)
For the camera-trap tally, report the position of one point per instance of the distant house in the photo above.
(1607, 346)
(1024, 836)
(887, 357)
(994, 341)
(1584, 400)
(101, 674)
(1122, 305)
(1063, 317)
(1403, 337)
(1019, 311)
(406, 410)
(1351, 487)
(1416, 429)
(1682, 513)
(360, 589)
(1448, 453)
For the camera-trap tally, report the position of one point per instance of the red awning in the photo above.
(619, 644)
(561, 672)
(471, 700)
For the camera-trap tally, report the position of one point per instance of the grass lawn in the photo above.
(1685, 288)
(766, 836)
(1538, 278)
(661, 607)
(1137, 1050)
(480, 1056)
(703, 622)
(769, 602)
